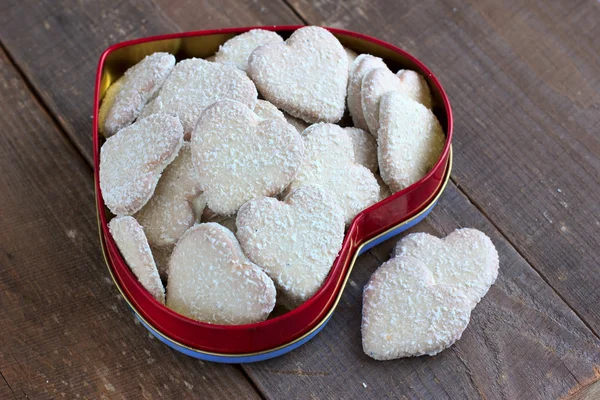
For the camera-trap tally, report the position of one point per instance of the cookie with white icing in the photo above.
(295, 242)
(306, 76)
(170, 213)
(351, 55)
(374, 85)
(240, 156)
(132, 161)
(125, 98)
(297, 123)
(365, 148)
(237, 50)
(195, 84)
(266, 110)
(147, 110)
(415, 87)
(466, 259)
(359, 68)
(420, 301)
(330, 163)
(131, 241)
(380, 81)
(211, 280)
(410, 141)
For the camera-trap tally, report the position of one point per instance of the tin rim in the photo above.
(336, 283)
(325, 318)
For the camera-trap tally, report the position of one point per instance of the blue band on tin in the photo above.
(234, 359)
(398, 230)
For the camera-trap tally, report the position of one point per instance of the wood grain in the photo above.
(522, 341)
(226, 13)
(524, 82)
(66, 331)
(57, 44)
(591, 392)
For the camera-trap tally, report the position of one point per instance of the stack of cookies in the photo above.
(235, 203)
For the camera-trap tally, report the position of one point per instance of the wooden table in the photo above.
(524, 82)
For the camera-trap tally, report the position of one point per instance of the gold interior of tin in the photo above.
(118, 61)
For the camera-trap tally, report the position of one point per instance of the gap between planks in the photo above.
(296, 12)
(8, 385)
(588, 392)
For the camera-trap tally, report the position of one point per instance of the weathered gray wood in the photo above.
(523, 342)
(524, 82)
(226, 14)
(66, 332)
(591, 392)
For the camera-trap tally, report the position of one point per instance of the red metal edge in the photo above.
(256, 337)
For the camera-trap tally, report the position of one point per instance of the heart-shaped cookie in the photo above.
(266, 110)
(125, 98)
(240, 156)
(131, 241)
(359, 68)
(298, 124)
(420, 301)
(380, 81)
(169, 213)
(415, 87)
(195, 84)
(465, 259)
(306, 76)
(147, 110)
(375, 84)
(365, 148)
(295, 242)
(211, 280)
(132, 161)
(410, 140)
(329, 162)
(351, 55)
(236, 50)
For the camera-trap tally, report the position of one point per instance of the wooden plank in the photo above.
(524, 81)
(522, 342)
(591, 392)
(65, 329)
(6, 391)
(57, 44)
(227, 13)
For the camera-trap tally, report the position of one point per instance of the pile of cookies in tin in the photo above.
(236, 203)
